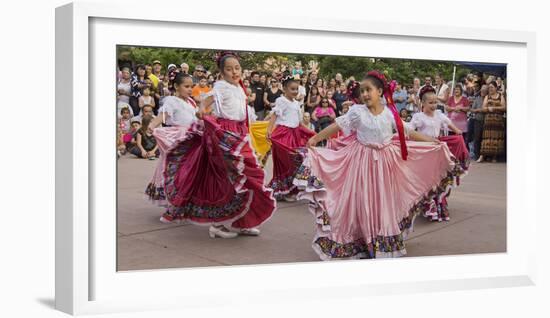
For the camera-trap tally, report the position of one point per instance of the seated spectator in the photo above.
(147, 110)
(323, 115)
(147, 147)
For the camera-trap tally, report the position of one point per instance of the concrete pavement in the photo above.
(477, 225)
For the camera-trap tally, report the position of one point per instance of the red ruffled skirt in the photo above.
(212, 177)
(286, 144)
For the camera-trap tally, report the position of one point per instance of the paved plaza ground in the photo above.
(477, 225)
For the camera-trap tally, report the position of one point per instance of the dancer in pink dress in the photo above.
(288, 139)
(212, 176)
(372, 187)
(430, 122)
(177, 113)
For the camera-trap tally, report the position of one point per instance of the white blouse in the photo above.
(180, 112)
(229, 101)
(370, 128)
(430, 125)
(288, 112)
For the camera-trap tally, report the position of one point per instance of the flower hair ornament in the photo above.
(286, 78)
(426, 89)
(388, 94)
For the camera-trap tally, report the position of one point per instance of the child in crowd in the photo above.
(146, 144)
(146, 99)
(200, 89)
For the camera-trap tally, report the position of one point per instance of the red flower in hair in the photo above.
(426, 89)
(381, 77)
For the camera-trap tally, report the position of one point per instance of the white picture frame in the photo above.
(87, 282)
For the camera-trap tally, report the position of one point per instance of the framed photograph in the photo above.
(118, 67)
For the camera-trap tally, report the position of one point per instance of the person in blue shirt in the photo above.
(400, 97)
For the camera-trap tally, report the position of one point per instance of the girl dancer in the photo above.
(373, 187)
(177, 114)
(287, 134)
(212, 176)
(430, 122)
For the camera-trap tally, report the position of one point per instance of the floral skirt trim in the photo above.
(208, 213)
(374, 247)
(155, 194)
(283, 186)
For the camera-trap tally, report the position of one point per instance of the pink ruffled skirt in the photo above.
(368, 196)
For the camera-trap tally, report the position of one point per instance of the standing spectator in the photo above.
(184, 67)
(332, 84)
(199, 72)
(301, 98)
(200, 89)
(157, 68)
(155, 84)
(320, 84)
(339, 79)
(400, 97)
(146, 99)
(138, 82)
(164, 90)
(313, 99)
(330, 97)
(340, 97)
(124, 87)
(458, 106)
(171, 73)
(263, 80)
(271, 94)
(494, 107)
(477, 119)
(427, 82)
(312, 78)
(211, 80)
(257, 95)
(500, 85)
(124, 61)
(442, 92)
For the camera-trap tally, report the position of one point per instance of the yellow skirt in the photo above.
(258, 132)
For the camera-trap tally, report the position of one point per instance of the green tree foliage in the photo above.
(402, 70)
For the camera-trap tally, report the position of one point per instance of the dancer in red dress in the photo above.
(288, 136)
(212, 176)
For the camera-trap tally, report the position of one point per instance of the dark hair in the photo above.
(316, 88)
(180, 77)
(324, 99)
(376, 82)
(140, 66)
(254, 73)
(460, 87)
(123, 109)
(494, 83)
(147, 105)
(145, 121)
(353, 90)
(201, 77)
(223, 56)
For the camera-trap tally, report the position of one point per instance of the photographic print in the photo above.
(241, 158)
